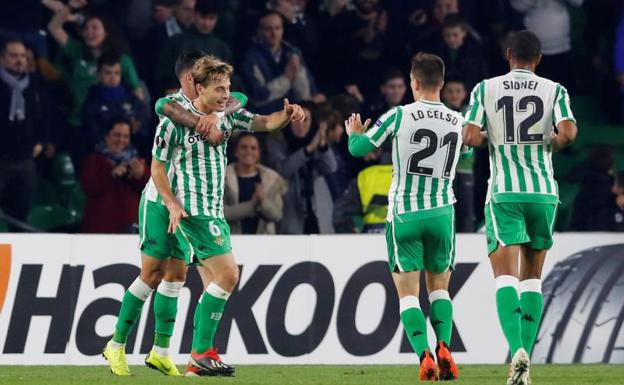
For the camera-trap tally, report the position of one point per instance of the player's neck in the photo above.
(523, 67)
(188, 92)
(429, 96)
(201, 107)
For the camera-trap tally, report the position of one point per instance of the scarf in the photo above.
(17, 111)
(124, 156)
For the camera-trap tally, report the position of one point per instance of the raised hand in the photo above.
(294, 111)
(354, 124)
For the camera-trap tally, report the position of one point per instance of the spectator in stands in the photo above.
(593, 207)
(253, 193)
(171, 17)
(360, 40)
(302, 156)
(199, 37)
(425, 29)
(299, 28)
(454, 93)
(109, 100)
(332, 121)
(112, 180)
(78, 58)
(366, 198)
(550, 21)
(274, 69)
(455, 96)
(391, 94)
(23, 126)
(460, 53)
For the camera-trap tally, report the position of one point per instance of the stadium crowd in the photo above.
(80, 77)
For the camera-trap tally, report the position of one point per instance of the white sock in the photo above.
(170, 289)
(140, 289)
(160, 350)
(116, 345)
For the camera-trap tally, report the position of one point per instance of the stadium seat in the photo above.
(77, 201)
(53, 218)
(45, 193)
(64, 175)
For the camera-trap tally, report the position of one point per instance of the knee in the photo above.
(175, 276)
(228, 278)
(152, 278)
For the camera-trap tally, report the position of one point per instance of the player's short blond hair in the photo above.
(210, 68)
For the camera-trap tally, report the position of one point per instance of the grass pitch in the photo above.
(311, 375)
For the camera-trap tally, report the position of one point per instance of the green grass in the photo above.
(311, 375)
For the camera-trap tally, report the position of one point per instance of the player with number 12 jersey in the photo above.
(519, 111)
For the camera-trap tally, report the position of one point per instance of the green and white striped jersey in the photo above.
(199, 169)
(520, 110)
(150, 192)
(425, 150)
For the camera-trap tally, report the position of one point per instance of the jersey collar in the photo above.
(186, 98)
(522, 71)
(430, 102)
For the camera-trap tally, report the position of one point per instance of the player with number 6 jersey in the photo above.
(518, 111)
(420, 229)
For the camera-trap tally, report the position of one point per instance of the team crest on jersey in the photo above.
(161, 142)
(219, 241)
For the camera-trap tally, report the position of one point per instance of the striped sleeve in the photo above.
(241, 120)
(561, 109)
(382, 128)
(165, 141)
(475, 113)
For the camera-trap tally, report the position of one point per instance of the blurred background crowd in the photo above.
(78, 80)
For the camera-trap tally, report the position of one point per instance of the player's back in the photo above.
(520, 110)
(426, 145)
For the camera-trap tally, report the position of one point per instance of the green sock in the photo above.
(414, 323)
(509, 313)
(441, 315)
(165, 311)
(211, 307)
(130, 310)
(532, 303)
(196, 321)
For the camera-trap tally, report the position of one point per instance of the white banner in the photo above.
(300, 300)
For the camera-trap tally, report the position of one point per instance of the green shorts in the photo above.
(154, 239)
(422, 240)
(508, 223)
(203, 237)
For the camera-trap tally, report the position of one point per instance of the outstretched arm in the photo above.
(279, 119)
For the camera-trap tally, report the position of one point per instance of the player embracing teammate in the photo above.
(188, 171)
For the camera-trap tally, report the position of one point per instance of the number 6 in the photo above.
(214, 229)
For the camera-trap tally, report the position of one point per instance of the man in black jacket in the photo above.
(22, 129)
